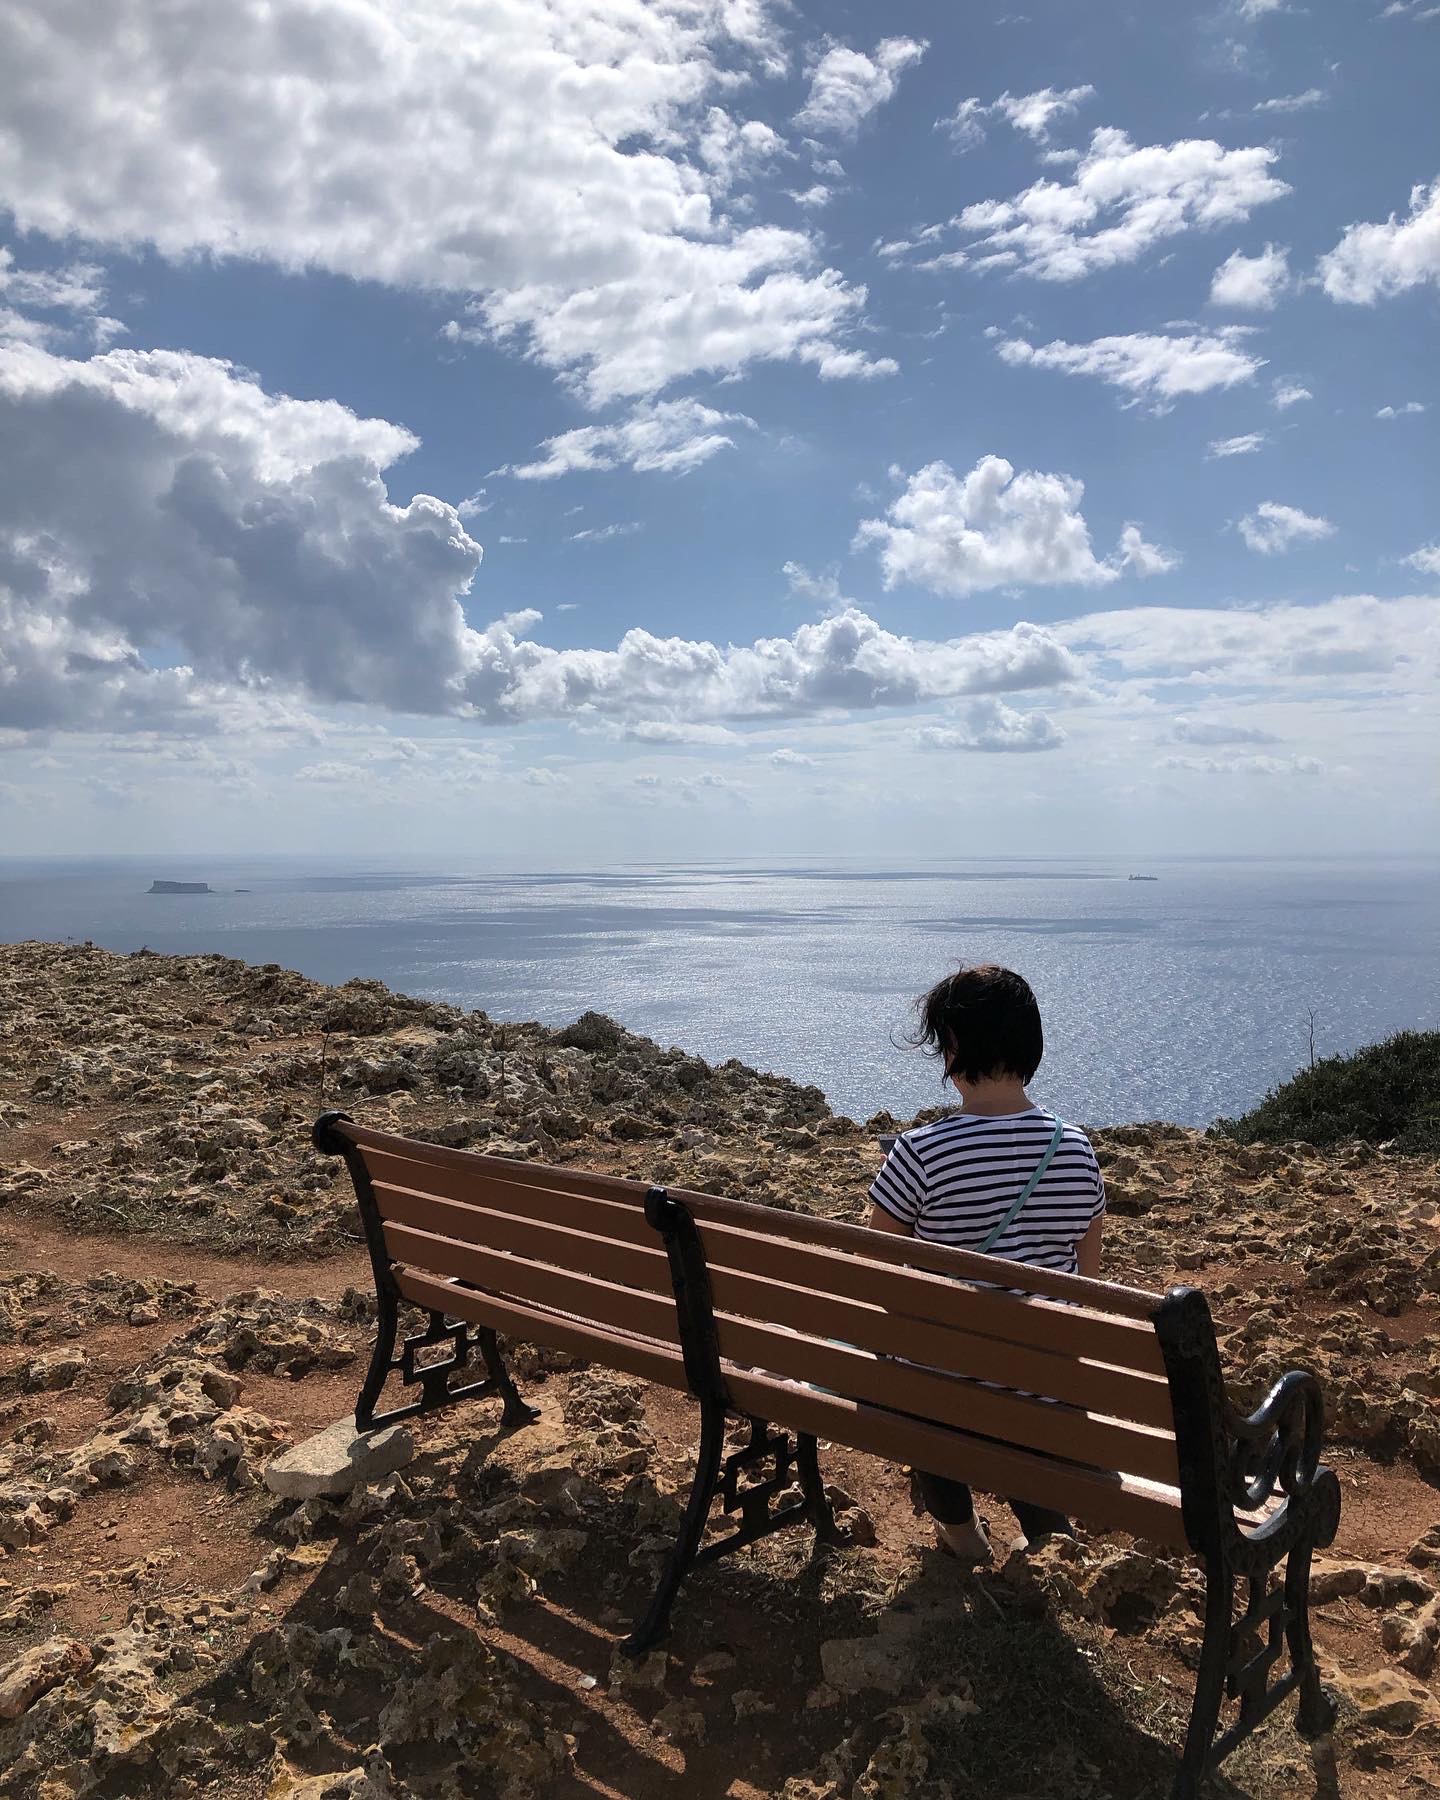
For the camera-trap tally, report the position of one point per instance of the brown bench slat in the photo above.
(1109, 1501)
(1014, 1418)
(538, 1239)
(599, 1302)
(1095, 1386)
(919, 1294)
(628, 1351)
(622, 1219)
(941, 1259)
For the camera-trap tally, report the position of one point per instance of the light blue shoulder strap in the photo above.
(1025, 1192)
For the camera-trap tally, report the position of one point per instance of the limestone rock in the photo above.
(1383, 1699)
(37, 1671)
(338, 1459)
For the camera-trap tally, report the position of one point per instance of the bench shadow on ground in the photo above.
(1063, 1713)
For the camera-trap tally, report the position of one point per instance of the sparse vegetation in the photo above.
(1387, 1093)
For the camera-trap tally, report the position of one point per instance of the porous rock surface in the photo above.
(445, 1627)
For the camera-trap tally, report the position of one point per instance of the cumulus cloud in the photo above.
(74, 292)
(1253, 283)
(786, 758)
(1121, 201)
(560, 167)
(846, 85)
(1400, 412)
(672, 436)
(1272, 528)
(991, 528)
(1374, 262)
(1426, 559)
(1246, 444)
(993, 726)
(1031, 113)
(677, 731)
(1141, 558)
(174, 540)
(1146, 366)
(1285, 394)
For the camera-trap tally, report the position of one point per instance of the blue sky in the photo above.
(885, 428)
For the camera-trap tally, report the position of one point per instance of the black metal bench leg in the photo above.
(1317, 1710)
(1210, 1682)
(697, 1510)
(812, 1485)
(382, 1358)
(516, 1411)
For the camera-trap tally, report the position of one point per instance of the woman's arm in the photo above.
(880, 1220)
(1087, 1251)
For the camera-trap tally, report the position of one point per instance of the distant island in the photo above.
(1144, 878)
(181, 887)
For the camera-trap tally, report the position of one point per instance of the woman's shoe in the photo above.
(966, 1543)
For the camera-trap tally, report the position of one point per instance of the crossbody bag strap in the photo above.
(1025, 1192)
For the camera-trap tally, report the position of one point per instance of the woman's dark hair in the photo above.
(981, 1022)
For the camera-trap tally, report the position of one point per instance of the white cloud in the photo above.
(786, 758)
(1272, 528)
(76, 291)
(1121, 202)
(673, 436)
(1351, 635)
(601, 534)
(846, 85)
(1400, 412)
(1426, 559)
(1146, 366)
(558, 165)
(180, 549)
(161, 509)
(1031, 113)
(993, 726)
(1374, 262)
(1245, 765)
(1246, 444)
(991, 528)
(1292, 103)
(1034, 113)
(1141, 558)
(1250, 10)
(1211, 731)
(1284, 394)
(965, 127)
(1252, 282)
(678, 731)
(824, 586)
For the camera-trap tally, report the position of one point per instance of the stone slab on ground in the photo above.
(339, 1459)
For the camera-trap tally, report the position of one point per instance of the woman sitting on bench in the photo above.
(1000, 1175)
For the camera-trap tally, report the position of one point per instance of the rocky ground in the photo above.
(182, 1296)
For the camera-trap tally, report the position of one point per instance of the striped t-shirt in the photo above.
(953, 1182)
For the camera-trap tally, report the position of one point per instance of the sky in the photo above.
(621, 428)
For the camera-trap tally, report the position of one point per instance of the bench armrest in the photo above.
(1275, 1450)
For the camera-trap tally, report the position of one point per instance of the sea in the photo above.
(1183, 997)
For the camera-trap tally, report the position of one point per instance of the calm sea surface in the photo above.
(1179, 998)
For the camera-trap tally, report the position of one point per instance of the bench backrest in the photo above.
(1056, 1393)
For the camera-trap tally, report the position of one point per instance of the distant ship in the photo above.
(1144, 878)
(181, 887)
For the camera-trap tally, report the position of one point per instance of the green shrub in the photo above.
(1385, 1094)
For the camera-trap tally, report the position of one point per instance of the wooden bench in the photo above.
(1107, 1402)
